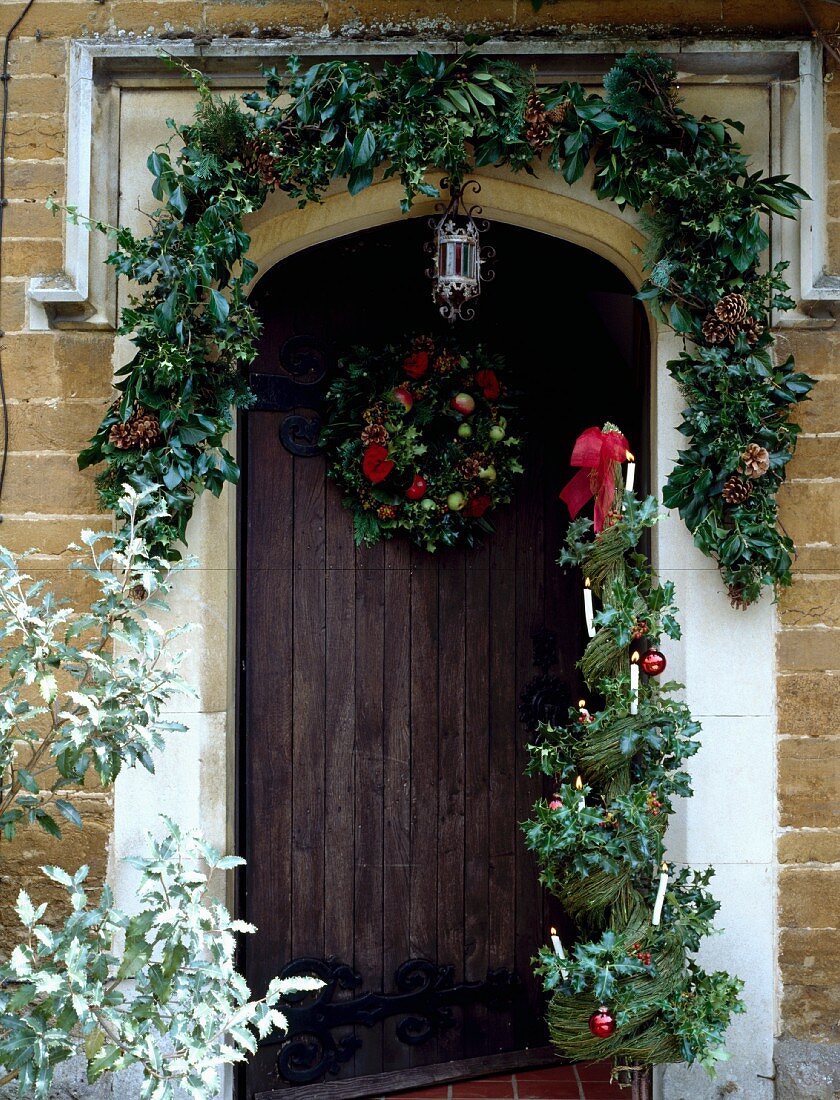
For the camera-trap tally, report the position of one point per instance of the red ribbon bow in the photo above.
(595, 451)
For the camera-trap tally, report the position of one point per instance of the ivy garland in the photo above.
(419, 439)
(688, 178)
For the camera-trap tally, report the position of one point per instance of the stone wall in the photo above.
(58, 385)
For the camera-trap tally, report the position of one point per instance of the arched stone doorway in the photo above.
(382, 758)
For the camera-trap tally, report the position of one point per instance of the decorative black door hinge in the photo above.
(298, 391)
(424, 996)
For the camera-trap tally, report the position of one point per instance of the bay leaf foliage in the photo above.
(703, 208)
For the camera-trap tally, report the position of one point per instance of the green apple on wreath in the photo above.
(420, 437)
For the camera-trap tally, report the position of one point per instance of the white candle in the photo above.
(634, 684)
(579, 787)
(631, 473)
(660, 895)
(587, 608)
(558, 950)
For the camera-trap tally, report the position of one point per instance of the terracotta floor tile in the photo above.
(499, 1088)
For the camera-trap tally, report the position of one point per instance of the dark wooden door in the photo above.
(381, 752)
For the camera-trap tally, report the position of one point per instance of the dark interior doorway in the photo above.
(381, 755)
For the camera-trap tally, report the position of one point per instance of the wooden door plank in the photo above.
(424, 768)
(503, 732)
(309, 702)
(267, 737)
(450, 842)
(476, 791)
(396, 871)
(370, 646)
(340, 730)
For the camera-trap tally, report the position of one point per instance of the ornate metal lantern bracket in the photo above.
(458, 258)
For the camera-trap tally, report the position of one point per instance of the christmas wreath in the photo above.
(420, 438)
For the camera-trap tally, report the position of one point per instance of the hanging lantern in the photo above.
(457, 254)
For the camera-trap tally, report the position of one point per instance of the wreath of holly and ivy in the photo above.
(422, 440)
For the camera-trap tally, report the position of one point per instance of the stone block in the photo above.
(815, 458)
(259, 18)
(33, 257)
(41, 425)
(44, 57)
(805, 1069)
(809, 782)
(50, 535)
(810, 846)
(808, 704)
(817, 351)
(13, 305)
(809, 897)
(54, 18)
(49, 483)
(35, 179)
(31, 137)
(59, 365)
(30, 218)
(817, 559)
(419, 16)
(806, 650)
(811, 1013)
(39, 95)
(811, 512)
(811, 601)
(156, 18)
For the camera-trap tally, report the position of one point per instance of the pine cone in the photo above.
(140, 432)
(538, 131)
(258, 160)
(756, 461)
(386, 511)
(752, 328)
(374, 433)
(716, 331)
(732, 308)
(469, 469)
(375, 414)
(557, 115)
(736, 490)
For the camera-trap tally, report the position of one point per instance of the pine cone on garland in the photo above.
(752, 328)
(537, 131)
(140, 432)
(375, 414)
(469, 469)
(716, 331)
(557, 115)
(258, 160)
(736, 490)
(374, 433)
(756, 461)
(386, 511)
(732, 308)
(446, 362)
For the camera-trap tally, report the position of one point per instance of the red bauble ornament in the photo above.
(417, 489)
(375, 463)
(404, 396)
(602, 1023)
(653, 663)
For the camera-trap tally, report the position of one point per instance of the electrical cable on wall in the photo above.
(5, 76)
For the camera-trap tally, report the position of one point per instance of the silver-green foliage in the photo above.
(171, 1002)
(83, 690)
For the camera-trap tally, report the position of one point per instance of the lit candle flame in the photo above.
(634, 658)
(553, 931)
(631, 457)
(586, 583)
(581, 703)
(578, 784)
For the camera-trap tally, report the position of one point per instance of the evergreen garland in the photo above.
(599, 841)
(687, 176)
